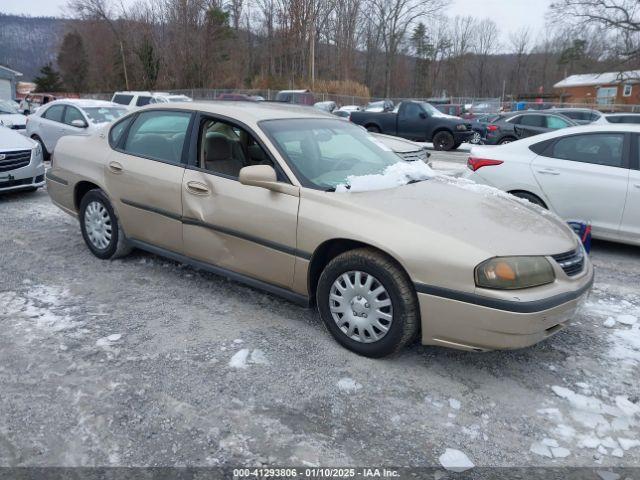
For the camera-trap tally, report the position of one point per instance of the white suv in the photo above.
(133, 100)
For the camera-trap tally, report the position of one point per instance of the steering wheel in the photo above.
(347, 160)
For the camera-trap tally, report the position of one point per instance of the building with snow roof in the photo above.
(601, 89)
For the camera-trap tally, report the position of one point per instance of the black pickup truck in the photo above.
(418, 121)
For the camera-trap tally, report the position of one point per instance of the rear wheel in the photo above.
(100, 227)
(506, 140)
(476, 139)
(444, 141)
(368, 303)
(373, 129)
(530, 197)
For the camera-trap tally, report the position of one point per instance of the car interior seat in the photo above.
(218, 155)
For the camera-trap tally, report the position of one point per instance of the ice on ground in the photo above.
(626, 345)
(455, 404)
(605, 475)
(560, 452)
(628, 443)
(610, 322)
(627, 319)
(628, 408)
(617, 452)
(455, 460)
(550, 442)
(258, 357)
(348, 385)
(540, 449)
(394, 175)
(108, 340)
(239, 359)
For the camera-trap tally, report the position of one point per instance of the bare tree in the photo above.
(520, 45)
(485, 44)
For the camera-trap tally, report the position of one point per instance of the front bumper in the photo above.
(29, 176)
(483, 323)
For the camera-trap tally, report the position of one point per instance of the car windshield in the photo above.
(8, 107)
(104, 114)
(325, 152)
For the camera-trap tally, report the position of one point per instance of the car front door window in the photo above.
(72, 114)
(54, 113)
(597, 148)
(556, 123)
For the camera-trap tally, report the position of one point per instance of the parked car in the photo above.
(33, 101)
(608, 118)
(351, 108)
(135, 99)
(300, 97)
(262, 196)
(418, 121)
(346, 114)
(70, 117)
(11, 117)
(21, 166)
(512, 126)
(455, 110)
(405, 149)
(328, 106)
(582, 116)
(479, 125)
(588, 173)
(380, 106)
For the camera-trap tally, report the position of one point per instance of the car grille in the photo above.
(418, 155)
(571, 262)
(13, 160)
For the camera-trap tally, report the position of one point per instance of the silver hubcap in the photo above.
(361, 306)
(97, 223)
(476, 138)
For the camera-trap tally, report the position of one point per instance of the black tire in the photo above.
(531, 197)
(45, 154)
(405, 321)
(443, 141)
(505, 140)
(372, 129)
(456, 146)
(117, 246)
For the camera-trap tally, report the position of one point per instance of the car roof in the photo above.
(590, 128)
(249, 111)
(572, 109)
(85, 103)
(618, 114)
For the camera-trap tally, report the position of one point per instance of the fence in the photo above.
(484, 105)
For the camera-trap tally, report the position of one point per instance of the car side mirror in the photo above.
(264, 176)
(423, 115)
(79, 123)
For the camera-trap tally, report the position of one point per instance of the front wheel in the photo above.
(476, 139)
(443, 141)
(100, 226)
(368, 303)
(506, 141)
(373, 129)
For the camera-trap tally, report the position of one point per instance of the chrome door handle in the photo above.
(548, 171)
(197, 188)
(115, 167)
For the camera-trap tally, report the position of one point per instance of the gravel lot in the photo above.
(142, 361)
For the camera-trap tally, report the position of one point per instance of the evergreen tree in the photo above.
(48, 80)
(150, 63)
(73, 62)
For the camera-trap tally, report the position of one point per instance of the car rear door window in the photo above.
(143, 100)
(595, 148)
(54, 113)
(72, 114)
(122, 99)
(532, 121)
(556, 123)
(158, 135)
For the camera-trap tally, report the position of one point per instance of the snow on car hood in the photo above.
(9, 119)
(487, 218)
(12, 140)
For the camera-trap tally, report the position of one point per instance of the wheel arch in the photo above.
(330, 249)
(529, 192)
(437, 130)
(81, 189)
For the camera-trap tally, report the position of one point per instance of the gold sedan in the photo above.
(315, 209)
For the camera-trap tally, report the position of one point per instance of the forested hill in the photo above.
(28, 43)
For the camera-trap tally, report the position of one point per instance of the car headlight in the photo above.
(513, 273)
(461, 127)
(37, 151)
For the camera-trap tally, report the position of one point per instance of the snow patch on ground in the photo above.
(244, 357)
(348, 385)
(455, 404)
(455, 460)
(108, 340)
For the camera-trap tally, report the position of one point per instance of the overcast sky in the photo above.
(510, 15)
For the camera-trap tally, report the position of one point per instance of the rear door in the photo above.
(530, 124)
(585, 177)
(630, 228)
(144, 175)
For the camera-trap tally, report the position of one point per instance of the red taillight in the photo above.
(476, 163)
(492, 128)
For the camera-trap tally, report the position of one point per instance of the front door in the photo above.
(585, 178)
(630, 228)
(144, 176)
(244, 229)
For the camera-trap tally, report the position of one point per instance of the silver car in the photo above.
(69, 117)
(21, 166)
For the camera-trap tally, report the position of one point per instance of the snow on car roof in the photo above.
(85, 102)
(591, 79)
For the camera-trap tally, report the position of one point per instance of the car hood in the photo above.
(12, 140)
(397, 144)
(9, 119)
(459, 210)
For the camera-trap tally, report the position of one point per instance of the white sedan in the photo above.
(69, 117)
(588, 173)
